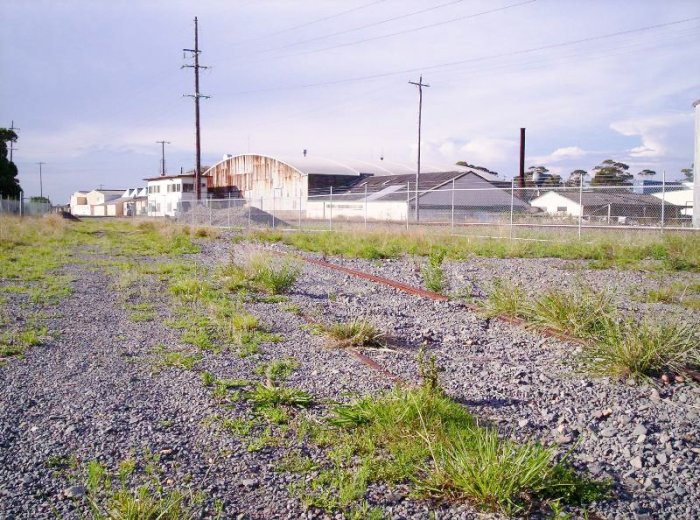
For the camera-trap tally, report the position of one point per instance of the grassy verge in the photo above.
(625, 250)
(614, 345)
(421, 437)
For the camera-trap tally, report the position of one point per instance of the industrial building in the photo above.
(353, 189)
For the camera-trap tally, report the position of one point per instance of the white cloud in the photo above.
(653, 132)
(565, 153)
(487, 151)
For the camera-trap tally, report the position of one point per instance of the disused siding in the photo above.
(256, 177)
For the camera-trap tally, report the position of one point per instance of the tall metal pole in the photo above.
(162, 156)
(12, 147)
(41, 182)
(195, 52)
(580, 206)
(420, 86)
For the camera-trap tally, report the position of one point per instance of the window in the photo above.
(187, 187)
(561, 209)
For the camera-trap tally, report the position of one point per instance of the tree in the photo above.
(475, 167)
(575, 177)
(646, 173)
(611, 173)
(42, 200)
(688, 173)
(9, 186)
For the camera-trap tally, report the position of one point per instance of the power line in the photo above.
(473, 60)
(373, 24)
(330, 17)
(406, 31)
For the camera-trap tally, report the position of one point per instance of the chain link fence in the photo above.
(23, 208)
(506, 212)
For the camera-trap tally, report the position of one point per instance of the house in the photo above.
(605, 205)
(93, 203)
(133, 202)
(169, 194)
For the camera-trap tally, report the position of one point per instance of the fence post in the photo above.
(663, 199)
(512, 203)
(609, 211)
(408, 202)
(452, 209)
(580, 206)
(366, 206)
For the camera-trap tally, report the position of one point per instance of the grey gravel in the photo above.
(91, 392)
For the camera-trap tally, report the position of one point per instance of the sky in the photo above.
(93, 85)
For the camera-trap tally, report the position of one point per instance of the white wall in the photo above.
(355, 210)
(162, 203)
(553, 202)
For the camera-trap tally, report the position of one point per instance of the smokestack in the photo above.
(522, 157)
(696, 168)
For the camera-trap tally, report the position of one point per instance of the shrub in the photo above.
(433, 275)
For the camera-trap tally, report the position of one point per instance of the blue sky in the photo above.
(93, 84)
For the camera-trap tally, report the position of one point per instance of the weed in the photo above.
(296, 463)
(292, 308)
(503, 300)
(274, 414)
(230, 384)
(261, 442)
(429, 371)
(639, 349)
(266, 396)
(176, 359)
(276, 276)
(240, 427)
(208, 379)
(142, 312)
(433, 275)
(278, 370)
(356, 333)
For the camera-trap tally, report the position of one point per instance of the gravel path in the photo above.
(93, 393)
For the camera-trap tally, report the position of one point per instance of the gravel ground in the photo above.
(92, 392)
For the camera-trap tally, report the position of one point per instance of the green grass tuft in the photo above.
(358, 332)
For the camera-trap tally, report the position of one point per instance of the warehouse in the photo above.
(307, 185)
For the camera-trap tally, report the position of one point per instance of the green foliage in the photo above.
(613, 345)
(173, 358)
(271, 274)
(9, 185)
(433, 275)
(421, 436)
(638, 349)
(268, 396)
(358, 332)
(611, 173)
(624, 250)
(278, 370)
(15, 341)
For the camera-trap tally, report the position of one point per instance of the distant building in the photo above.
(302, 186)
(169, 194)
(94, 203)
(618, 206)
(682, 198)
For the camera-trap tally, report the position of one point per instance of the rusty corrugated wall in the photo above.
(256, 177)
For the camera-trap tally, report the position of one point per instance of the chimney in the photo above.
(522, 157)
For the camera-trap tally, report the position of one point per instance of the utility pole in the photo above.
(420, 86)
(522, 158)
(162, 160)
(41, 183)
(195, 53)
(12, 144)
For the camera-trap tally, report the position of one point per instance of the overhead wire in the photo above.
(472, 60)
(407, 31)
(366, 26)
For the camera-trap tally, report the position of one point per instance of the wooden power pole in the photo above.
(162, 156)
(196, 66)
(420, 86)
